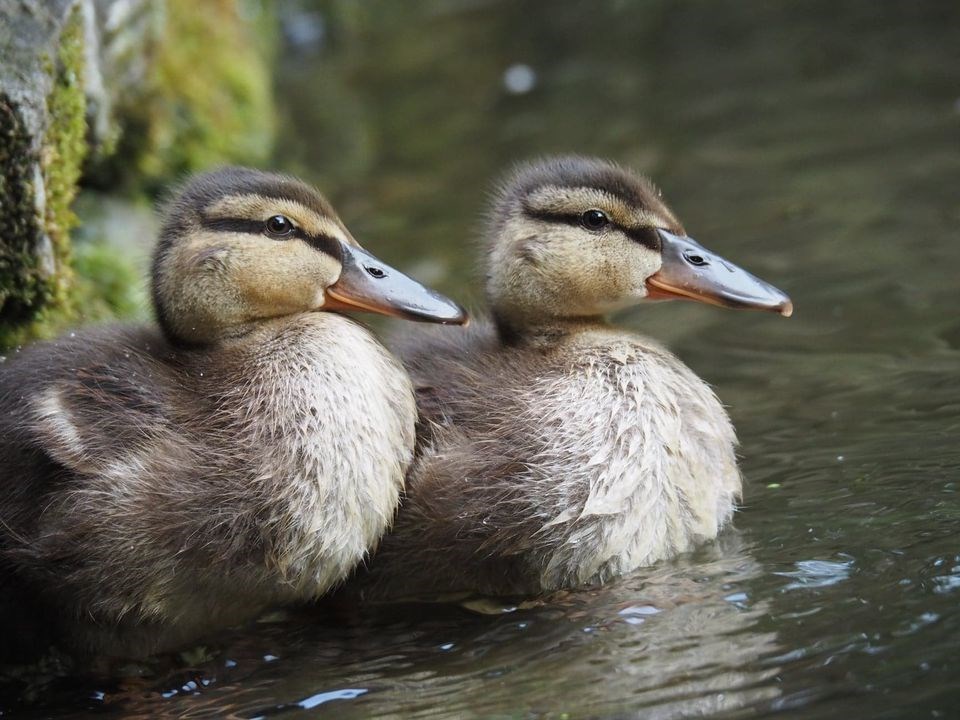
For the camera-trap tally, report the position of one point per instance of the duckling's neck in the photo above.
(545, 332)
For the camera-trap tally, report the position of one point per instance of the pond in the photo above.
(815, 143)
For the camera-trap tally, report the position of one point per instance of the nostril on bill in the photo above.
(695, 259)
(374, 272)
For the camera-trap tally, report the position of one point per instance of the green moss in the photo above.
(96, 283)
(22, 289)
(36, 300)
(65, 149)
(208, 100)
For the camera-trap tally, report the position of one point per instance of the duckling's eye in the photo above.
(279, 226)
(594, 220)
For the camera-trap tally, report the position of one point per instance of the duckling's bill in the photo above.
(370, 285)
(692, 272)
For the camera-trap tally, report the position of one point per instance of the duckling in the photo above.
(556, 450)
(161, 482)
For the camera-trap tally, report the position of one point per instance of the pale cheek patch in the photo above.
(210, 259)
(638, 263)
(529, 251)
(282, 278)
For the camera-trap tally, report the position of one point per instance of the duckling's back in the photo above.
(555, 464)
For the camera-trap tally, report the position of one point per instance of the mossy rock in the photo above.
(130, 101)
(42, 120)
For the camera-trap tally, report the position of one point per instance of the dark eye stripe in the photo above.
(323, 243)
(239, 225)
(646, 236)
(547, 216)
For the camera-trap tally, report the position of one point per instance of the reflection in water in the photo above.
(814, 142)
(601, 651)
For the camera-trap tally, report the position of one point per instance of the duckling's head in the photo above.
(576, 237)
(240, 246)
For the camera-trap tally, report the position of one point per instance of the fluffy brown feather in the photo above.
(555, 450)
(155, 487)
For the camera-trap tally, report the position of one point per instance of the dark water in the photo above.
(816, 143)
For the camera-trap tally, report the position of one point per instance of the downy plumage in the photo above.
(556, 450)
(161, 482)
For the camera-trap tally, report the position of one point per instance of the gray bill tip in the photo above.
(442, 310)
(691, 271)
(369, 284)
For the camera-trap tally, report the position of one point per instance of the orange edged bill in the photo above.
(692, 272)
(370, 285)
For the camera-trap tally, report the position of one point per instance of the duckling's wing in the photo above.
(97, 417)
(83, 405)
